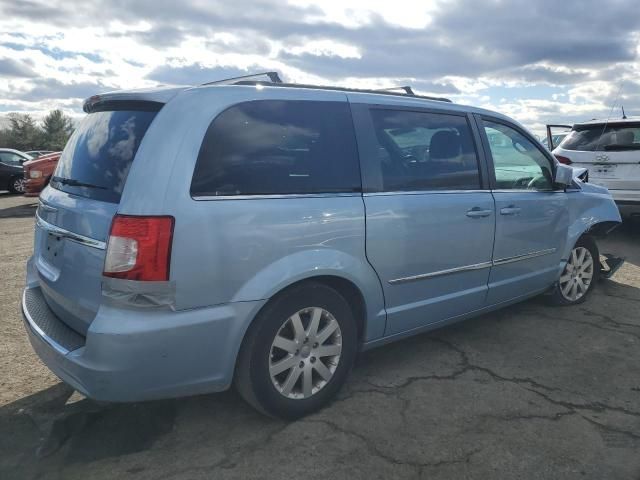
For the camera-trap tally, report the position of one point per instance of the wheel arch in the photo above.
(591, 215)
(344, 286)
(351, 276)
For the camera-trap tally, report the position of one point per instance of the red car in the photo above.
(37, 173)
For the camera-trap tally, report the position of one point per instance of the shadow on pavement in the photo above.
(19, 211)
(43, 433)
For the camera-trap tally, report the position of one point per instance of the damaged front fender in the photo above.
(591, 210)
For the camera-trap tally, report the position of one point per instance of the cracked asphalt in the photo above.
(531, 391)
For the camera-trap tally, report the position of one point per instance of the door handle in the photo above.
(477, 212)
(510, 210)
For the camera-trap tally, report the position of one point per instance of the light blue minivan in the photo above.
(262, 233)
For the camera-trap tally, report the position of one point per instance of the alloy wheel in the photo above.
(305, 353)
(577, 275)
(18, 185)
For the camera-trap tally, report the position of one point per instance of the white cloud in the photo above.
(355, 13)
(54, 53)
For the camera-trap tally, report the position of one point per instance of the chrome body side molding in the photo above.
(526, 256)
(476, 266)
(413, 278)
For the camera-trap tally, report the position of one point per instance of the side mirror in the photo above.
(564, 175)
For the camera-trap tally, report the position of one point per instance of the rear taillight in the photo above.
(139, 248)
(564, 160)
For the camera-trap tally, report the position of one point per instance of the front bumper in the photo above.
(140, 354)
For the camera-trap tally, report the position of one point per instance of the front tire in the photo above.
(298, 352)
(579, 275)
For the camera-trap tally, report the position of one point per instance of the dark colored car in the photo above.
(11, 170)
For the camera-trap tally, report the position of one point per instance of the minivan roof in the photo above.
(165, 94)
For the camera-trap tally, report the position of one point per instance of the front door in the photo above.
(531, 216)
(429, 222)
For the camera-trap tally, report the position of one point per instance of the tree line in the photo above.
(24, 133)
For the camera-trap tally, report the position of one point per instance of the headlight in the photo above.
(35, 174)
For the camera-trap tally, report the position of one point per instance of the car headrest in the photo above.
(444, 145)
(625, 137)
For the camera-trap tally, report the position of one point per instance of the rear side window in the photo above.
(425, 151)
(97, 158)
(271, 147)
(609, 137)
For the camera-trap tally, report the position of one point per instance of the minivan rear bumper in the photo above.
(141, 354)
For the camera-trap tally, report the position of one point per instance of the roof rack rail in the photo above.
(274, 77)
(339, 89)
(276, 81)
(407, 89)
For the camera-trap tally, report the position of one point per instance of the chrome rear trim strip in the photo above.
(475, 266)
(526, 256)
(74, 237)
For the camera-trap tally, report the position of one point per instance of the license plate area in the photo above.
(53, 249)
(604, 171)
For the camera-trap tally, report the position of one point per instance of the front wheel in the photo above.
(298, 352)
(579, 275)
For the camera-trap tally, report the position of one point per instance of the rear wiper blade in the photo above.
(76, 183)
(614, 146)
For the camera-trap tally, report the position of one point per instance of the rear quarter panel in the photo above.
(235, 250)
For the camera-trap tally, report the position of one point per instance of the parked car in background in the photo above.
(610, 150)
(11, 170)
(555, 135)
(37, 173)
(38, 153)
(263, 233)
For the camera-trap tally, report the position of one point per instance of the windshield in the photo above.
(601, 137)
(97, 158)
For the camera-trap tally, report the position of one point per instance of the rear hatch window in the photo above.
(97, 158)
(603, 137)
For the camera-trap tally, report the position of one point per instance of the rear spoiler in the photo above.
(158, 96)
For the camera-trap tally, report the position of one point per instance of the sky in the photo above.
(538, 61)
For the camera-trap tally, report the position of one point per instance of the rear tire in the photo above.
(298, 352)
(16, 185)
(579, 275)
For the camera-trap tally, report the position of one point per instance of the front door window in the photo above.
(518, 163)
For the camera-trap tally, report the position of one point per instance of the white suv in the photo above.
(611, 152)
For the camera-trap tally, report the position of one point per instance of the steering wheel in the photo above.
(535, 181)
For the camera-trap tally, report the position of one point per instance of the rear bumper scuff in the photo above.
(132, 354)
